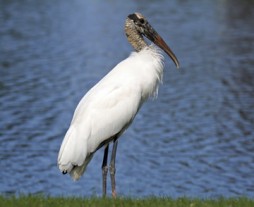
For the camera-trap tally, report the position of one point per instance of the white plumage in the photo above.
(110, 106)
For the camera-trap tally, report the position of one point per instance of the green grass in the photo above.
(45, 201)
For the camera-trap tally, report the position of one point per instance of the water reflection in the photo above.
(195, 140)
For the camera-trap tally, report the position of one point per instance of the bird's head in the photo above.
(138, 22)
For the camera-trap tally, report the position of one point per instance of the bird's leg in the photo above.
(104, 168)
(113, 169)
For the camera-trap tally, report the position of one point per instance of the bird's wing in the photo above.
(107, 112)
(107, 109)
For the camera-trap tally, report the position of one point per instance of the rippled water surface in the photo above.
(195, 140)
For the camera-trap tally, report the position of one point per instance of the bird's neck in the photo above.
(134, 37)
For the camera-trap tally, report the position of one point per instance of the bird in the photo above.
(109, 107)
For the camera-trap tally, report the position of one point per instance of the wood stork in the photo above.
(109, 107)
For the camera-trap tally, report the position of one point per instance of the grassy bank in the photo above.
(44, 201)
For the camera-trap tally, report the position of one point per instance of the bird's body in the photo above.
(108, 108)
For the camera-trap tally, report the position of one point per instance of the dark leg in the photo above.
(104, 168)
(113, 169)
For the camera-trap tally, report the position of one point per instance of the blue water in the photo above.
(195, 140)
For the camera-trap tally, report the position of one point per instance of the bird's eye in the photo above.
(142, 21)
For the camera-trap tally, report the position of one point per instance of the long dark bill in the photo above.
(162, 44)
